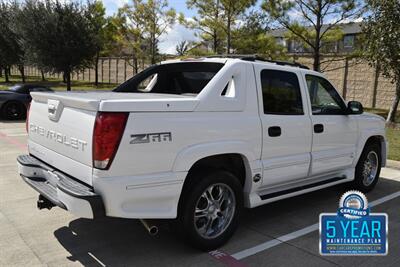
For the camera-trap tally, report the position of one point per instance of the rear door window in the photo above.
(281, 93)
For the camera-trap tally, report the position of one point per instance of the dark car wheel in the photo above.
(368, 168)
(210, 208)
(13, 110)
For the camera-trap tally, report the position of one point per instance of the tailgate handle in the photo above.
(54, 109)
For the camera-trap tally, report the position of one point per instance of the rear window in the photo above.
(196, 81)
(175, 78)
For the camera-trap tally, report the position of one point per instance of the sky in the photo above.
(179, 5)
(174, 35)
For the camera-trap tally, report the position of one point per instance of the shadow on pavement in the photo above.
(122, 242)
(113, 241)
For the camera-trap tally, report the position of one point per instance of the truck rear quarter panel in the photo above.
(146, 178)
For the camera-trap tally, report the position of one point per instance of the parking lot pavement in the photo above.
(278, 234)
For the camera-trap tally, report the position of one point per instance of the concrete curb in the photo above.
(393, 164)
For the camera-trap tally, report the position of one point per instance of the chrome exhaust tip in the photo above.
(150, 227)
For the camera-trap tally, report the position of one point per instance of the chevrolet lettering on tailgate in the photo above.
(58, 137)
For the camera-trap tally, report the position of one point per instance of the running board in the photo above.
(300, 188)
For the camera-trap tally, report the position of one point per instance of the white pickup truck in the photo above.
(196, 141)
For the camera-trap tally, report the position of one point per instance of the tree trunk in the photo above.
(135, 64)
(215, 37)
(1, 72)
(215, 44)
(317, 60)
(318, 26)
(6, 74)
(67, 75)
(22, 71)
(42, 74)
(153, 51)
(228, 45)
(393, 109)
(317, 56)
(96, 70)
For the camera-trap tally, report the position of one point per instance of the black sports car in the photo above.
(13, 102)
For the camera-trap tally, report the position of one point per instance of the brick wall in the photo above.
(356, 80)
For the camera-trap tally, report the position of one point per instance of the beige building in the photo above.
(349, 42)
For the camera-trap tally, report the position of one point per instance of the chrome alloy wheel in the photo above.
(214, 210)
(370, 168)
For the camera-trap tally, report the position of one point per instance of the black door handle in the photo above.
(274, 131)
(318, 128)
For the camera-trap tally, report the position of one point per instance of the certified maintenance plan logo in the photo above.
(353, 230)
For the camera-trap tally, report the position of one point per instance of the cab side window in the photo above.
(281, 93)
(324, 98)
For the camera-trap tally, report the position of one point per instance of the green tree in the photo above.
(252, 37)
(60, 35)
(233, 9)
(158, 18)
(104, 33)
(143, 23)
(11, 45)
(310, 24)
(182, 48)
(382, 45)
(208, 22)
(129, 24)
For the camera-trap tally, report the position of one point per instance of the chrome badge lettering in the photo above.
(58, 137)
(151, 137)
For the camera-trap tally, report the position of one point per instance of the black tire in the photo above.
(13, 110)
(360, 182)
(192, 197)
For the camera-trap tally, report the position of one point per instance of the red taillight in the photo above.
(107, 134)
(27, 117)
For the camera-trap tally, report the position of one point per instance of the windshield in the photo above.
(174, 78)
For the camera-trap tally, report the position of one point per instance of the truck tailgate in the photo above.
(62, 136)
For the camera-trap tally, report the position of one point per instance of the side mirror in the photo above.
(354, 107)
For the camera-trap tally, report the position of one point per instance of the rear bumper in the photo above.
(60, 189)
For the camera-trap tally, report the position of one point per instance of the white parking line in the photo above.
(96, 259)
(314, 227)
(272, 243)
(384, 199)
